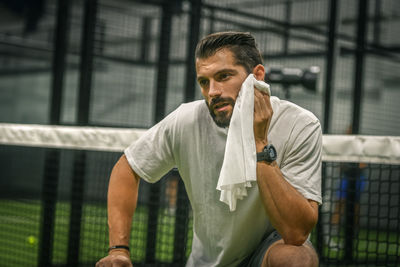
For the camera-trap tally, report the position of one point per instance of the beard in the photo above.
(223, 118)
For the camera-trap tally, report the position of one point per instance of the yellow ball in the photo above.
(32, 240)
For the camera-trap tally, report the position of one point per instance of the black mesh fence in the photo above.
(128, 63)
(53, 212)
(49, 217)
(359, 220)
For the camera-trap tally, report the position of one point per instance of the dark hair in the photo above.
(241, 44)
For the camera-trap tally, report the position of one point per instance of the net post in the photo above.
(86, 63)
(194, 31)
(319, 227)
(160, 102)
(330, 63)
(59, 55)
(359, 64)
(163, 60)
(286, 29)
(181, 222)
(49, 200)
(52, 156)
(350, 216)
(75, 219)
(154, 204)
(83, 112)
(146, 35)
(377, 23)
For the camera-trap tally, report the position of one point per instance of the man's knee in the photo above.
(291, 256)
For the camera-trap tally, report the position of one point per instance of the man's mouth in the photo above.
(222, 106)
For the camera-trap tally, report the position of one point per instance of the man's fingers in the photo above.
(262, 102)
(262, 115)
(258, 99)
(261, 91)
(115, 261)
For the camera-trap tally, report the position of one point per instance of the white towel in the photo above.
(240, 160)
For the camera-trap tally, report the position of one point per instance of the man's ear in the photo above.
(259, 72)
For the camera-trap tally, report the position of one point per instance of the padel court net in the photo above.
(53, 190)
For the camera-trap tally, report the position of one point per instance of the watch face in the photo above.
(271, 153)
(268, 154)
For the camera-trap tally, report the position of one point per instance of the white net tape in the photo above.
(361, 148)
(69, 137)
(337, 148)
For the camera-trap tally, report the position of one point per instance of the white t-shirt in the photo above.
(189, 139)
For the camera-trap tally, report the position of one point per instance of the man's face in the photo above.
(220, 80)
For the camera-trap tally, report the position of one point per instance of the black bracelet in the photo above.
(118, 247)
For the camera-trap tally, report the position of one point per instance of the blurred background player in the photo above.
(348, 172)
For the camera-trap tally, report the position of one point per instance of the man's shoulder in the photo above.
(191, 110)
(291, 122)
(292, 111)
(191, 114)
(192, 106)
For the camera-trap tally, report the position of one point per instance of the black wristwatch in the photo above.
(268, 154)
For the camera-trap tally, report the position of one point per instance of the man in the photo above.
(271, 225)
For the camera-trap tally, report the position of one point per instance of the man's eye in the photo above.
(203, 83)
(223, 76)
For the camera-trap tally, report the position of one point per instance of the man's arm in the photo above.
(122, 200)
(292, 215)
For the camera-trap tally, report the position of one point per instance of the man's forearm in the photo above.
(290, 213)
(122, 200)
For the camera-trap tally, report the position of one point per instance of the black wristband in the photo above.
(118, 247)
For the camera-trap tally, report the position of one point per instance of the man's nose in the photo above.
(215, 89)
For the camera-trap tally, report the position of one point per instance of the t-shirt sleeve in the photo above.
(302, 163)
(151, 156)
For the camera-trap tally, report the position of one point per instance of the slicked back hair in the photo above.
(241, 44)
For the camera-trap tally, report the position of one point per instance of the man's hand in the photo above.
(116, 258)
(262, 118)
(122, 200)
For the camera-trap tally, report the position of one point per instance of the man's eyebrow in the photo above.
(226, 70)
(219, 72)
